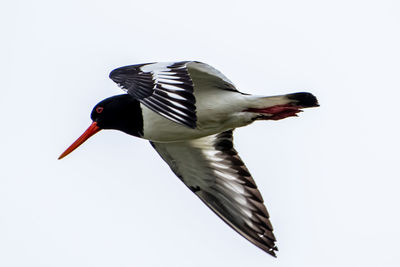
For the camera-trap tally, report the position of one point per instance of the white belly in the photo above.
(214, 115)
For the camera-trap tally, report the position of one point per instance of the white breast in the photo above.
(216, 111)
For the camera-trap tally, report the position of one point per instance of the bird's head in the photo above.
(121, 112)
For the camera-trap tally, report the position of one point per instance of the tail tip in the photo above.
(304, 99)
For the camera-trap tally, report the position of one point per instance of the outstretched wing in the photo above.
(165, 88)
(168, 88)
(213, 170)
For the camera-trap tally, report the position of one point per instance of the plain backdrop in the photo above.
(330, 178)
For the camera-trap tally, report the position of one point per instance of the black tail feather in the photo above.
(304, 99)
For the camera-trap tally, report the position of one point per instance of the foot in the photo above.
(277, 112)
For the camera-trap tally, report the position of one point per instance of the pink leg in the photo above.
(277, 112)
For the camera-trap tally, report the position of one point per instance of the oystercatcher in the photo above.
(188, 111)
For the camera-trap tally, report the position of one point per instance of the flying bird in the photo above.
(188, 111)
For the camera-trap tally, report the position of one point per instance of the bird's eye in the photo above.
(99, 109)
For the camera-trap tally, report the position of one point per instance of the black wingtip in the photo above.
(304, 99)
(271, 251)
(120, 75)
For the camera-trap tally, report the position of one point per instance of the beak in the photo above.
(93, 128)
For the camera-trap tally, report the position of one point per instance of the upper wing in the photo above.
(212, 169)
(205, 76)
(167, 88)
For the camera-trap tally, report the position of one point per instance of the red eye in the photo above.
(99, 109)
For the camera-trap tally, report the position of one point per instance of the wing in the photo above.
(212, 169)
(167, 88)
(205, 76)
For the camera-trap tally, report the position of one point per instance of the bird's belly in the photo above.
(159, 129)
(173, 133)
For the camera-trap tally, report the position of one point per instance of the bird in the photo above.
(188, 111)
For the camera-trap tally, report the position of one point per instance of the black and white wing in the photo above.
(167, 88)
(213, 170)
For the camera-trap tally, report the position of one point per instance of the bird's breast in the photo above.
(216, 111)
(160, 129)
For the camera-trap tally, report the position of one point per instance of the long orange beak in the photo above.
(93, 128)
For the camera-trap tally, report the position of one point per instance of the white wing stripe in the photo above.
(167, 76)
(164, 80)
(175, 96)
(171, 87)
(153, 66)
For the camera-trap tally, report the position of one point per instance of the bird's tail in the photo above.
(282, 106)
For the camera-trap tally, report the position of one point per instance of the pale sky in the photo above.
(329, 178)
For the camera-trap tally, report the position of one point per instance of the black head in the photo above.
(120, 112)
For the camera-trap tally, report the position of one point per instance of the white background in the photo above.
(329, 178)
